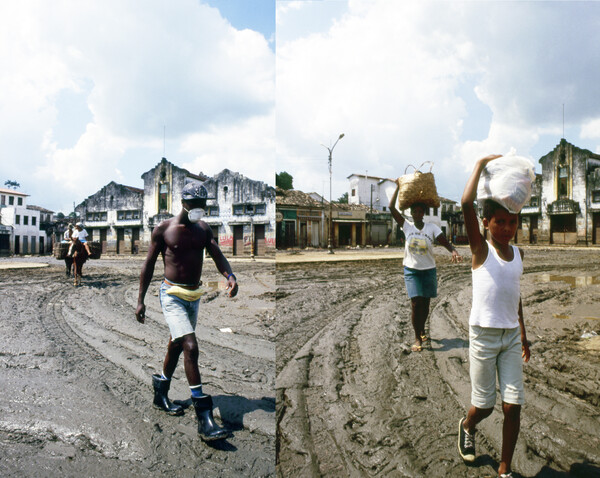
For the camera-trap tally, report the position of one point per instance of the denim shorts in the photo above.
(420, 283)
(181, 315)
(491, 352)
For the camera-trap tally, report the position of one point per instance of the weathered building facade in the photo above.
(162, 195)
(113, 216)
(300, 220)
(565, 202)
(24, 229)
(240, 211)
(570, 196)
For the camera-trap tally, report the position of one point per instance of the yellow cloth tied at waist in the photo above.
(185, 294)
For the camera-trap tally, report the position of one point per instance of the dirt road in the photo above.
(75, 378)
(353, 401)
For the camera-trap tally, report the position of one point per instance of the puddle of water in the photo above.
(573, 281)
(581, 311)
(565, 316)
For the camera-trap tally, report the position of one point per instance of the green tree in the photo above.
(343, 199)
(12, 184)
(284, 180)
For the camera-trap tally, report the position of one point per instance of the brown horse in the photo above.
(80, 255)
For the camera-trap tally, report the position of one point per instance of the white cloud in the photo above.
(247, 147)
(391, 75)
(591, 129)
(138, 67)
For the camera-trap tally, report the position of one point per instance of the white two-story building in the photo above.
(22, 227)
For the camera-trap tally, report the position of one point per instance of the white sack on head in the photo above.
(507, 180)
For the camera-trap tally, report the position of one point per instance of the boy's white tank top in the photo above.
(497, 291)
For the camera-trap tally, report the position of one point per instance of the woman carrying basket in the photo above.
(420, 273)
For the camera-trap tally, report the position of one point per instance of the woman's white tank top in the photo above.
(497, 291)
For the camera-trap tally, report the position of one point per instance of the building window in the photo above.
(163, 197)
(596, 196)
(212, 210)
(11, 200)
(384, 208)
(128, 215)
(3, 200)
(435, 211)
(33, 220)
(19, 201)
(97, 216)
(17, 219)
(353, 192)
(26, 220)
(563, 178)
(261, 209)
(238, 209)
(534, 201)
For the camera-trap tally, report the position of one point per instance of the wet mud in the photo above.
(76, 367)
(354, 401)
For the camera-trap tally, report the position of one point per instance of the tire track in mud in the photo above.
(103, 359)
(358, 397)
(353, 401)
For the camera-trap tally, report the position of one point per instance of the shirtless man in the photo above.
(181, 241)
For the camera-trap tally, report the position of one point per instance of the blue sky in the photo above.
(257, 15)
(93, 92)
(444, 81)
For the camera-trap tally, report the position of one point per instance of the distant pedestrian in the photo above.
(497, 337)
(420, 273)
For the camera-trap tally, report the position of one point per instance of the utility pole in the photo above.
(330, 241)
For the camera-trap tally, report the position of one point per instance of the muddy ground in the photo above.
(353, 401)
(75, 375)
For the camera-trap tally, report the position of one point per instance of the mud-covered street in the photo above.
(353, 401)
(75, 380)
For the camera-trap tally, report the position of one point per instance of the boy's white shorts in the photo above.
(494, 351)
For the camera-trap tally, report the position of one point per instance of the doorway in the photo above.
(563, 229)
(120, 241)
(259, 240)
(238, 240)
(135, 240)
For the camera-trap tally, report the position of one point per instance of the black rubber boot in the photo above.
(161, 398)
(207, 427)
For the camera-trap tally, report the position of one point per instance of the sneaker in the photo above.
(506, 475)
(466, 443)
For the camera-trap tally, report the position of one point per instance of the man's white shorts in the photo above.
(494, 351)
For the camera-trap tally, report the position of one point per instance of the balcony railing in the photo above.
(563, 206)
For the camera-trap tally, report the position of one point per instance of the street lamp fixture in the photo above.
(330, 238)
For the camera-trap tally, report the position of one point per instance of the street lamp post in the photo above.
(330, 239)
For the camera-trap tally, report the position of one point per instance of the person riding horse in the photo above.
(80, 255)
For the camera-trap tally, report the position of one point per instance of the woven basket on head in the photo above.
(417, 187)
